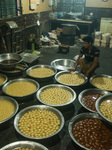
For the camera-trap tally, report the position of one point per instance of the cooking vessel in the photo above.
(21, 98)
(104, 115)
(24, 144)
(39, 107)
(41, 79)
(9, 60)
(63, 64)
(88, 17)
(5, 123)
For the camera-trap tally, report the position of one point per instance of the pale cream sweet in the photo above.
(41, 72)
(103, 83)
(20, 88)
(56, 96)
(6, 109)
(71, 79)
(106, 108)
(1, 80)
(39, 123)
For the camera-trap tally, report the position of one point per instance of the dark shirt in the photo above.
(95, 52)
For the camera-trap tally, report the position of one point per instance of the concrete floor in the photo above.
(49, 53)
(63, 140)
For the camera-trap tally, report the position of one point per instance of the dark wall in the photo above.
(99, 13)
(16, 39)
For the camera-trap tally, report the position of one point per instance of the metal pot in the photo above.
(9, 60)
(88, 17)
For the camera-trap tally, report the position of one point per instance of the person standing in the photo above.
(90, 62)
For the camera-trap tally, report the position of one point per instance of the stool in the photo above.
(65, 47)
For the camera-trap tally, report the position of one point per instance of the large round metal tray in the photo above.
(102, 83)
(87, 91)
(63, 64)
(77, 118)
(24, 144)
(98, 102)
(67, 72)
(34, 107)
(41, 79)
(13, 101)
(57, 86)
(20, 98)
(5, 79)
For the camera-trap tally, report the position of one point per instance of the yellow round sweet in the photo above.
(6, 109)
(20, 88)
(41, 72)
(71, 79)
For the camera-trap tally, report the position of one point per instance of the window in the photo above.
(10, 8)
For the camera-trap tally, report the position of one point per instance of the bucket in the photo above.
(59, 16)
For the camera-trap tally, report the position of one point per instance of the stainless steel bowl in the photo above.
(9, 60)
(41, 79)
(63, 64)
(67, 72)
(98, 103)
(77, 118)
(57, 86)
(102, 83)
(88, 91)
(5, 79)
(5, 122)
(21, 98)
(35, 107)
(24, 144)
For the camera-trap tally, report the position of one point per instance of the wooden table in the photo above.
(76, 22)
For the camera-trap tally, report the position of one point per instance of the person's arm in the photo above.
(77, 63)
(93, 67)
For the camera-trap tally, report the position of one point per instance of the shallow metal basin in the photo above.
(88, 91)
(63, 64)
(25, 97)
(37, 107)
(56, 86)
(98, 103)
(41, 79)
(24, 144)
(9, 60)
(6, 122)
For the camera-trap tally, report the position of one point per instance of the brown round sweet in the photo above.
(89, 100)
(93, 134)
